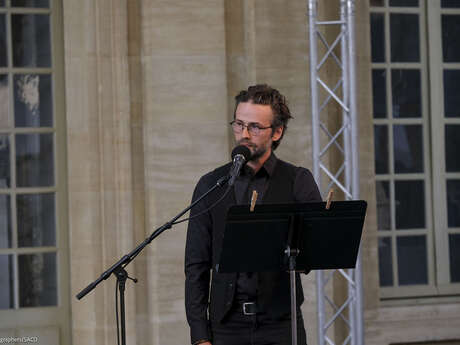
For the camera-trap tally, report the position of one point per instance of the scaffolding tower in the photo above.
(344, 139)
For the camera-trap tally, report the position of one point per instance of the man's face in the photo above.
(262, 115)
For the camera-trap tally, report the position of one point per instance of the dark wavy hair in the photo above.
(266, 95)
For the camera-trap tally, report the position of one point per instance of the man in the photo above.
(245, 308)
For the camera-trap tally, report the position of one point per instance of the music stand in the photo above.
(302, 236)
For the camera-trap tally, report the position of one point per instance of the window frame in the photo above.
(388, 292)
(431, 67)
(438, 122)
(23, 320)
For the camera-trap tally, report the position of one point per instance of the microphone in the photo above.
(240, 156)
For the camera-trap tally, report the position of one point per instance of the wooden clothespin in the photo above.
(253, 200)
(329, 199)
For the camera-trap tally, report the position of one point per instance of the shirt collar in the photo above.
(270, 164)
(268, 167)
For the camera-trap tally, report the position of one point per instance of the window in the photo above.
(416, 129)
(33, 256)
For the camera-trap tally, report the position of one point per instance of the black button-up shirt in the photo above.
(245, 185)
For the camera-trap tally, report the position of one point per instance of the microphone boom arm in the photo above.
(126, 259)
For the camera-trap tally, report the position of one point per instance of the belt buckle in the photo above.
(244, 308)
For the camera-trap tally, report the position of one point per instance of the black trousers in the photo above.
(240, 329)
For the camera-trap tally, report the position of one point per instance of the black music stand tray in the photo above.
(292, 237)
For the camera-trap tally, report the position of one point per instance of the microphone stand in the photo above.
(118, 268)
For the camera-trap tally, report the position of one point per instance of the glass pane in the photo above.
(385, 262)
(4, 161)
(452, 143)
(33, 105)
(34, 160)
(408, 148)
(5, 221)
(451, 38)
(454, 255)
(3, 50)
(406, 93)
(412, 260)
(404, 36)
(31, 40)
(378, 37)
(450, 3)
(404, 3)
(453, 203)
(451, 94)
(379, 93)
(410, 204)
(4, 102)
(30, 3)
(381, 149)
(37, 280)
(383, 205)
(377, 3)
(6, 282)
(36, 220)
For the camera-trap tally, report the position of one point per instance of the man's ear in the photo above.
(277, 133)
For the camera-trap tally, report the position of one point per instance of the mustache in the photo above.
(247, 143)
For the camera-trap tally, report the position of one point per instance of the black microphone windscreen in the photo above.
(242, 150)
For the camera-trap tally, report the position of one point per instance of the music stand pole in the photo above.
(292, 253)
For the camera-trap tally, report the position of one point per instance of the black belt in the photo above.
(248, 308)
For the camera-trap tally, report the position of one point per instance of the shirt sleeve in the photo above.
(198, 254)
(305, 187)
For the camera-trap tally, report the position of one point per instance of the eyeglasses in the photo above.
(253, 128)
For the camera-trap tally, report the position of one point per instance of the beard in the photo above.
(256, 151)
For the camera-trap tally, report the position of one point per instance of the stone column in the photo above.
(99, 161)
(185, 136)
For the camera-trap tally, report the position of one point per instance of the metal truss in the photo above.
(344, 174)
